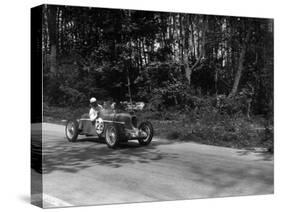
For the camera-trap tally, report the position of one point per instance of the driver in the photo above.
(94, 110)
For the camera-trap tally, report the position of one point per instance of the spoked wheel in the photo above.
(71, 130)
(148, 129)
(111, 136)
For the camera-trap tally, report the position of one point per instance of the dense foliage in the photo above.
(168, 60)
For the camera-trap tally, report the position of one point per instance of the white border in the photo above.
(15, 102)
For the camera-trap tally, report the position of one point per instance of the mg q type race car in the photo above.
(113, 127)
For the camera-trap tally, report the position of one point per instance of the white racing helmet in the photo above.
(93, 99)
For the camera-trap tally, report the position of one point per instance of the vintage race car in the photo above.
(111, 126)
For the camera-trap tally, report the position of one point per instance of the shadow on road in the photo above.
(88, 152)
(227, 179)
(63, 156)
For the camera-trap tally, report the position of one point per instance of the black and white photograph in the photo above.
(147, 106)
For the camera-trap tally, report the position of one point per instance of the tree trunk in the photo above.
(185, 50)
(238, 73)
(174, 36)
(144, 53)
(53, 59)
(129, 87)
(202, 50)
(181, 44)
(240, 66)
(192, 37)
(140, 55)
(188, 69)
(53, 38)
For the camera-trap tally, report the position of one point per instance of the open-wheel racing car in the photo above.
(113, 127)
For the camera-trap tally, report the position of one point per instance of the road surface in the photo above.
(89, 173)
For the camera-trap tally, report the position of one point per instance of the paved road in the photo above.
(88, 173)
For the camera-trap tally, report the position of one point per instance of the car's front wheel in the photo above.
(71, 130)
(111, 136)
(148, 129)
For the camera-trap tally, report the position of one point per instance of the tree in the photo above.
(124, 53)
(187, 49)
(52, 29)
(242, 54)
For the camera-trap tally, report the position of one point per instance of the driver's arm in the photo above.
(93, 114)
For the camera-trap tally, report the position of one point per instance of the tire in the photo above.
(148, 128)
(71, 130)
(111, 136)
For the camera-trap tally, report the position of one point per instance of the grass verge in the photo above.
(207, 127)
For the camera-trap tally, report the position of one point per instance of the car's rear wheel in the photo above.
(111, 136)
(148, 129)
(71, 130)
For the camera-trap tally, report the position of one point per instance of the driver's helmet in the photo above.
(92, 100)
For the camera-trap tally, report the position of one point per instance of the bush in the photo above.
(205, 125)
(71, 96)
(174, 135)
(239, 103)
